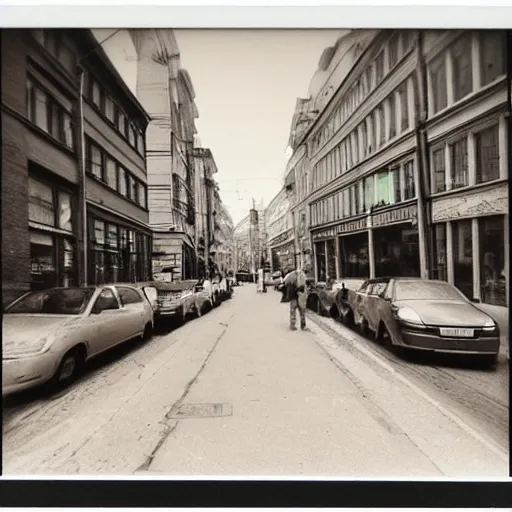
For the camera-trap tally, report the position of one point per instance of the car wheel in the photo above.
(148, 332)
(335, 313)
(348, 319)
(363, 327)
(69, 368)
(491, 361)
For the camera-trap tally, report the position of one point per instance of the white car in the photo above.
(51, 334)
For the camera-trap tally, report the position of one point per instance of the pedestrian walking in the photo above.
(296, 294)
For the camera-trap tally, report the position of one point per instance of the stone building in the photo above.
(406, 163)
(74, 183)
(166, 91)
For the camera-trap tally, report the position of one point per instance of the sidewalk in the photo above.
(296, 411)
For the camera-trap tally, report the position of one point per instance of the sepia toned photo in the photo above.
(259, 253)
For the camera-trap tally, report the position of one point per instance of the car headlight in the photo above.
(409, 315)
(26, 348)
(490, 325)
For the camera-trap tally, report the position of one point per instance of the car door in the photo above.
(135, 309)
(375, 304)
(107, 317)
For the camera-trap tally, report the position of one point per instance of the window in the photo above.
(68, 131)
(41, 110)
(106, 301)
(355, 138)
(96, 93)
(128, 296)
(110, 109)
(462, 68)
(492, 55)
(487, 155)
(132, 136)
(357, 202)
(439, 168)
(393, 49)
(459, 154)
(43, 261)
(348, 148)
(379, 68)
(41, 206)
(99, 232)
(383, 188)
(404, 107)
(369, 198)
(439, 83)
(364, 138)
(53, 42)
(112, 236)
(140, 143)
(134, 189)
(337, 161)
(122, 181)
(493, 280)
(95, 161)
(111, 173)
(392, 116)
(67, 58)
(142, 195)
(382, 125)
(410, 189)
(440, 265)
(368, 76)
(65, 211)
(121, 123)
(346, 203)
(463, 256)
(397, 191)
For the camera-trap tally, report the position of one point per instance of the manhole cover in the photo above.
(201, 411)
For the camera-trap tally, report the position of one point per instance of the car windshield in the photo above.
(425, 290)
(58, 301)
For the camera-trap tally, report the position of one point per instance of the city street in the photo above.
(235, 392)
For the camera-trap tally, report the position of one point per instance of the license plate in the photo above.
(457, 333)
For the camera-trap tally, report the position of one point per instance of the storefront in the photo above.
(53, 251)
(396, 242)
(119, 250)
(282, 251)
(353, 249)
(471, 244)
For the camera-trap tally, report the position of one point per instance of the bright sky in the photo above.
(246, 84)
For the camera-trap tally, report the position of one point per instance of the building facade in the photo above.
(250, 240)
(280, 233)
(166, 91)
(406, 163)
(74, 203)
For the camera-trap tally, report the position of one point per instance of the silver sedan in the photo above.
(49, 335)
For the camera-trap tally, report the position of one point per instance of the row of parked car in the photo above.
(49, 335)
(413, 313)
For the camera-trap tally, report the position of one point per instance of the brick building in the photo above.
(66, 154)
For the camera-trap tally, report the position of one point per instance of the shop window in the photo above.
(369, 193)
(392, 116)
(463, 257)
(331, 259)
(393, 49)
(397, 190)
(112, 236)
(65, 221)
(487, 155)
(437, 70)
(354, 256)
(320, 261)
(439, 168)
(67, 250)
(404, 107)
(99, 232)
(459, 156)
(440, 264)
(492, 55)
(410, 188)
(462, 67)
(379, 68)
(41, 207)
(43, 268)
(110, 109)
(95, 161)
(493, 279)
(383, 183)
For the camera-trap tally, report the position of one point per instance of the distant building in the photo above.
(74, 184)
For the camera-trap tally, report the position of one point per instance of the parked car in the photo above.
(425, 315)
(50, 335)
(179, 300)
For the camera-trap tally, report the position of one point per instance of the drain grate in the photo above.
(201, 411)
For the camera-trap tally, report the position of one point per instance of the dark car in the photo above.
(424, 315)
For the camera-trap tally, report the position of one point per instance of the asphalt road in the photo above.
(235, 392)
